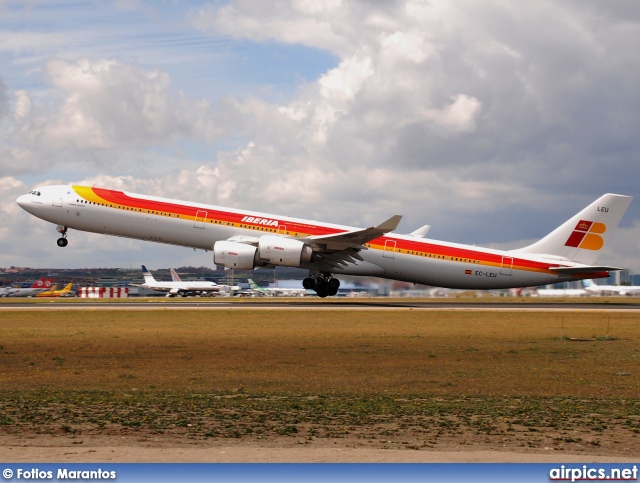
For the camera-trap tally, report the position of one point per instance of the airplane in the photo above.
(593, 288)
(244, 240)
(65, 292)
(177, 287)
(286, 292)
(561, 292)
(223, 288)
(38, 286)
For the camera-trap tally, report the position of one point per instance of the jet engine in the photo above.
(288, 252)
(239, 256)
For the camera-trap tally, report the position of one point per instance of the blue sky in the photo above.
(492, 121)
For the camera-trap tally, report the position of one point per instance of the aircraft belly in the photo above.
(451, 274)
(136, 225)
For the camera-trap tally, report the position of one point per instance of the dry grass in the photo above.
(403, 378)
(329, 352)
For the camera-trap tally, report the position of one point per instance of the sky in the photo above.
(493, 121)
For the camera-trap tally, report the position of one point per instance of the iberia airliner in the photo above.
(246, 240)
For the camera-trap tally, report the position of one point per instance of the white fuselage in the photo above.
(400, 257)
(176, 287)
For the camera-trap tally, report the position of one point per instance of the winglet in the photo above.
(390, 224)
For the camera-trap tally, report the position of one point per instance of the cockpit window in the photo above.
(35, 193)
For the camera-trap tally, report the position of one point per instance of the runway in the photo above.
(338, 304)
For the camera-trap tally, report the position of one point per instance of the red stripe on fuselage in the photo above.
(303, 229)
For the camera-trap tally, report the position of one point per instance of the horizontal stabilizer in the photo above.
(585, 269)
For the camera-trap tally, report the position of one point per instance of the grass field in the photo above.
(410, 375)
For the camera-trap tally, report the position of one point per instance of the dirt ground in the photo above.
(151, 449)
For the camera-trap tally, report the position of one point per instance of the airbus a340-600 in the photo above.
(246, 240)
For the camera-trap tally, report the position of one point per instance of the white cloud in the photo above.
(108, 103)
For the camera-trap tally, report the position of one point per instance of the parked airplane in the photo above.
(561, 292)
(285, 292)
(65, 292)
(593, 288)
(38, 286)
(177, 287)
(223, 288)
(246, 240)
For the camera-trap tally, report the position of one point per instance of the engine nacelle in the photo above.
(277, 250)
(239, 256)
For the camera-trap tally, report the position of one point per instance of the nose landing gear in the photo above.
(62, 241)
(323, 283)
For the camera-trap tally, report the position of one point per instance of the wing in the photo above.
(340, 249)
(352, 239)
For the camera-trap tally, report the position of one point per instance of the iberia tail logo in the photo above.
(586, 235)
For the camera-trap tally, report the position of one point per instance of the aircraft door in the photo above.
(201, 219)
(507, 265)
(389, 249)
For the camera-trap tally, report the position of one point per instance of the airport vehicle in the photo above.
(38, 286)
(284, 292)
(592, 288)
(246, 240)
(177, 287)
(65, 292)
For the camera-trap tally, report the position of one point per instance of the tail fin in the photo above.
(253, 285)
(41, 283)
(148, 278)
(174, 276)
(582, 238)
(67, 288)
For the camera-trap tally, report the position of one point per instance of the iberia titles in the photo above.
(259, 221)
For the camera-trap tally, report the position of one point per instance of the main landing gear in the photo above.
(323, 283)
(62, 241)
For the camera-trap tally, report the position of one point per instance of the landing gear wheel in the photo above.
(322, 289)
(62, 241)
(333, 285)
(323, 283)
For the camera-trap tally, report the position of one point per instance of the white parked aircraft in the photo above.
(593, 288)
(177, 287)
(561, 292)
(38, 286)
(245, 240)
(226, 288)
(285, 292)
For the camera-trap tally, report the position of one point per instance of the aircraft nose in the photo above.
(22, 200)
